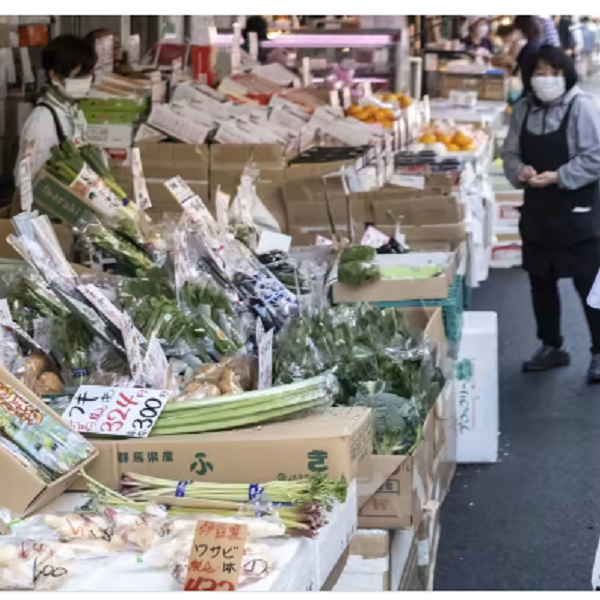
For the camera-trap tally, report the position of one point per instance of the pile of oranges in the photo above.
(454, 142)
(372, 114)
(403, 100)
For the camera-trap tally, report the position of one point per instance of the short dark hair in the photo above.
(558, 60)
(528, 25)
(67, 52)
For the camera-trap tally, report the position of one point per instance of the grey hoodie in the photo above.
(583, 137)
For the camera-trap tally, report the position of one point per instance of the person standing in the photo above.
(477, 38)
(68, 62)
(552, 151)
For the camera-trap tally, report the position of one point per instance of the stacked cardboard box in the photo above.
(507, 248)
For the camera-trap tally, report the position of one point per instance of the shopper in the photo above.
(553, 151)
(478, 37)
(68, 62)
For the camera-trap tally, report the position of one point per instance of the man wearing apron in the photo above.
(553, 153)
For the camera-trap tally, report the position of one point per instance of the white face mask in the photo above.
(548, 89)
(482, 31)
(76, 87)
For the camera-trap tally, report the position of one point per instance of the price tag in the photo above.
(25, 187)
(216, 558)
(140, 190)
(118, 411)
(176, 73)
(374, 238)
(265, 356)
(132, 347)
(156, 365)
(156, 89)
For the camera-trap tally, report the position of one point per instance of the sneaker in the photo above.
(593, 375)
(547, 358)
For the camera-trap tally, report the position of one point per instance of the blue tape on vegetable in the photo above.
(255, 491)
(180, 489)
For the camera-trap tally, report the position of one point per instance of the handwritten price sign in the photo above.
(126, 412)
(216, 557)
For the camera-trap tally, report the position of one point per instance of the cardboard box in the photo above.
(164, 160)
(365, 566)
(429, 537)
(393, 489)
(398, 290)
(420, 236)
(234, 157)
(22, 492)
(305, 236)
(429, 210)
(476, 381)
(506, 211)
(56, 199)
(487, 87)
(333, 441)
(64, 235)
(114, 105)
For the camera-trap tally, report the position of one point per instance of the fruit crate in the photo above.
(452, 310)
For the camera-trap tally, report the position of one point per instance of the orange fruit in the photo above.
(452, 148)
(428, 138)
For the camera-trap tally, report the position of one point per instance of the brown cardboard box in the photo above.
(21, 491)
(310, 170)
(234, 157)
(429, 210)
(162, 200)
(332, 441)
(64, 235)
(164, 160)
(420, 236)
(305, 236)
(365, 565)
(488, 87)
(444, 465)
(393, 489)
(397, 290)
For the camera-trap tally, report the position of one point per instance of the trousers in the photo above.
(546, 306)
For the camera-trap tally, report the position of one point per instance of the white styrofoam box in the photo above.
(476, 389)
(368, 573)
(110, 136)
(402, 542)
(333, 539)
(507, 253)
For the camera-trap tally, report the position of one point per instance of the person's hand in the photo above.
(526, 173)
(544, 179)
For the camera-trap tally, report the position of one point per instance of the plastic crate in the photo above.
(452, 310)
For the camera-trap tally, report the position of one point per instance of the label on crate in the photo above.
(115, 411)
(89, 186)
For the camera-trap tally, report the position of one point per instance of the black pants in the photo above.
(546, 306)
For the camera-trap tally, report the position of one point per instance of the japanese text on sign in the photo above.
(216, 557)
(126, 412)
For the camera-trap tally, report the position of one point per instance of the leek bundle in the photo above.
(247, 408)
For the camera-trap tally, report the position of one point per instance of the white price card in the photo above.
(132, 347)
(374, 238)
(140, 190)
(264, 342)
(115, 411)
(25, 187)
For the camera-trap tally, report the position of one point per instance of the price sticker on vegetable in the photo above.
(115, 411)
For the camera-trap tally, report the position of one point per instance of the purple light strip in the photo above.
(308, 40)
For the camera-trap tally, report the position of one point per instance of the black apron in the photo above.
(557, 242)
